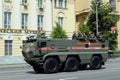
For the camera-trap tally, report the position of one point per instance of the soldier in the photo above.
(81, 36)
(100, 38)
(92, 37)
(74, 36)
(85, 36)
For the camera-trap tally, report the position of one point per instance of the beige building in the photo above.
(21, 18)
(83, 8)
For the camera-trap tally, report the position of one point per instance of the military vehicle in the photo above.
(52, 55)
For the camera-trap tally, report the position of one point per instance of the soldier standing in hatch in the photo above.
(85, 36)
(92, 36)
(74, 36)
(80, 35)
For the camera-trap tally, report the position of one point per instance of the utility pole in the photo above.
(96, 18)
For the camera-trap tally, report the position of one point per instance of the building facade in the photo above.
(83, 8)
(21, 18)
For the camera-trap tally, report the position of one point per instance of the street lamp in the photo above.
(96, 4)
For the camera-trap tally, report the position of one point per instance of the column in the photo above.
(1, 16)
(48, 15)
(33, 15)
(17, 14)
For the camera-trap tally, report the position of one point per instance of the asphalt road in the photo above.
(111, 71)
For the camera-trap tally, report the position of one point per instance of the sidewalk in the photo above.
(11, 60)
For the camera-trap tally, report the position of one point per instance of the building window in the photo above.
(7, 0)
(40, 22)
(8, 47)
(60, 21)
(65, 3)
(55, 3)
(24, 21)
(113, 4)
(40, 2)
(60, 3)
(24, 1)
(7, 20)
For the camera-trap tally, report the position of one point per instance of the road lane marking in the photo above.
(73, 78)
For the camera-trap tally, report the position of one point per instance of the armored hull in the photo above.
(50, 55)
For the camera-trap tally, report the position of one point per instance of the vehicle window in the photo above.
(43, 44)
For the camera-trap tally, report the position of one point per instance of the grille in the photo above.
(27, 55)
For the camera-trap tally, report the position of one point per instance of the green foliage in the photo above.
(112, 38)
(105, 21)
(58, 32)
(83, 28)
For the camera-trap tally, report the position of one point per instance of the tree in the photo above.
(105, 21)
(83, 28)
(58, 32)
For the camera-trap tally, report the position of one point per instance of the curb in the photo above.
(113, 60)
(19, 65)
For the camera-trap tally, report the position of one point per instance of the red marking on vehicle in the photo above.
(75, 48)
(69, 48)
(47, 48)
(83, 48)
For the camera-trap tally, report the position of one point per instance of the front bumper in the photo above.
(34, 61)
(30, 59)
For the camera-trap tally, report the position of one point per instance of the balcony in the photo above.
(83, 11)
(18, 31)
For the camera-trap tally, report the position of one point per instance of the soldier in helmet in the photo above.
(74, 36)
(92, 37)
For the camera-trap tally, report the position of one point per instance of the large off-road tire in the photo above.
(37, 69)
(71, 64)
(96, 62)
(51, 65)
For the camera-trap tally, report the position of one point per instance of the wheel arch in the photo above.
(52, 56)
(99, 55)
(76, 56)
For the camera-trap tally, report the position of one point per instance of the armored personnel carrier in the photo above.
(52, 55)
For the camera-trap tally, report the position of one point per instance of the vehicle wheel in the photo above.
(95, 62)
(37, 69)
(51, 65)
(83, 66)
(72, 64)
